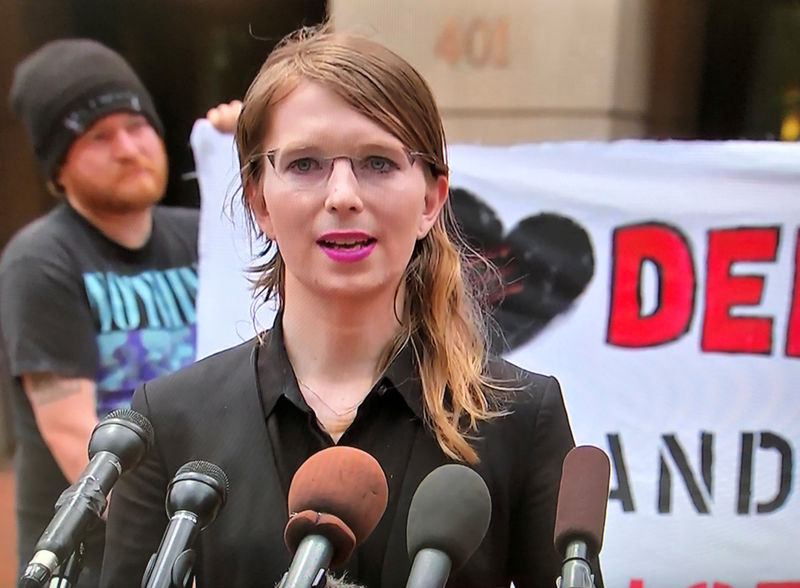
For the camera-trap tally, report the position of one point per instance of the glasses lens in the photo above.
(378, 166)
(301, 168)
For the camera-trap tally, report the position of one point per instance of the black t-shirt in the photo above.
(78, 304)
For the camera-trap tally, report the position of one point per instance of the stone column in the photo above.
(520, 70)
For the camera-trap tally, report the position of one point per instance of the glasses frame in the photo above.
(412, 157)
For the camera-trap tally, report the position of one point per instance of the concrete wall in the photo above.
(512, 70)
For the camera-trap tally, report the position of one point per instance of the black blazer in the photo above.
(212, 411)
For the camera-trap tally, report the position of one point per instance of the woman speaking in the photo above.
(379, 342)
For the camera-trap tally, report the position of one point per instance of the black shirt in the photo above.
(384, 426)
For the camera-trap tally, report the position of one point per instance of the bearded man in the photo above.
(98, 295)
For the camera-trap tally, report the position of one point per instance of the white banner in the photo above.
(658, 281)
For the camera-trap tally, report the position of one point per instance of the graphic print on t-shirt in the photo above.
(146, 327)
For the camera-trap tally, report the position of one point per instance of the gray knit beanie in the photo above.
(63, 87)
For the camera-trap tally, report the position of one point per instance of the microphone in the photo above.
(581, 513)
(118, 443)
(447, 520)
(194, 498)
(336, 499)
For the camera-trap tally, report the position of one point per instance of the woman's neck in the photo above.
(337, 340)
(335, 347)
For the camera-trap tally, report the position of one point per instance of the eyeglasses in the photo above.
(310, 168)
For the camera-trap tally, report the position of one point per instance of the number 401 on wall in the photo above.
(479, 42)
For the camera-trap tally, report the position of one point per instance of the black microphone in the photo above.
(447, 520)
(118, 443)
(336, 498)
(581, 513)
(194, 498)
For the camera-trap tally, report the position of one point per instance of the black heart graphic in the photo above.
(544, 263)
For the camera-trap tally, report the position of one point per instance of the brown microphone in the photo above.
(336, 499)
(581, 513)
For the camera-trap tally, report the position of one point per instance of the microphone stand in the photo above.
(428, 564)
(68, 573)
(576, 572)
(310, 565)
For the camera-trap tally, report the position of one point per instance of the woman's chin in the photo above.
(361, 289)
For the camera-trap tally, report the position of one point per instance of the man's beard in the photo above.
(126, 195)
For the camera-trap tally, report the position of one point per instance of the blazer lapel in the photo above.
(257, 510)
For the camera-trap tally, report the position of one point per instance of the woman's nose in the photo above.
(343, 191)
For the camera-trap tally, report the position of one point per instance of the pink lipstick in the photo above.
(347, 246)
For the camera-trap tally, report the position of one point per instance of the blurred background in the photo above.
(505, 71)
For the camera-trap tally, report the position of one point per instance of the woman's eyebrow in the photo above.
(319, 145)
(296, 146)
(378, 145)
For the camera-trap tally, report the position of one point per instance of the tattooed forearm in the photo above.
(65, 414)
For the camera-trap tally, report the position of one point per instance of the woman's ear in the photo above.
(258, 207)
(436, 193)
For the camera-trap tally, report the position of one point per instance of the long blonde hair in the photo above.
(441, 318)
